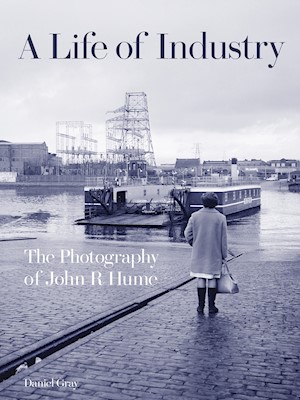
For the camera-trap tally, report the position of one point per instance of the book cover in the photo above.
(113, 105)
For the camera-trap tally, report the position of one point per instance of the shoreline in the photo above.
(281, 184)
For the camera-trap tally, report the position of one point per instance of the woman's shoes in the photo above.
(212, 292)
(213, 310)
(201, 299)
(200, 310)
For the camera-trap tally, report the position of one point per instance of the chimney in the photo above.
(234, 170)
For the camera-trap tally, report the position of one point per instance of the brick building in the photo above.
(188, 166)
(23, 158)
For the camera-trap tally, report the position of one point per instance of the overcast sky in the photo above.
(231, 108)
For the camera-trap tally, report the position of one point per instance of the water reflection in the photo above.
(172, 233)
(176, 232)
(121, 233)
(40, 216)
(53, 211)
(106, 232)
(244, 217)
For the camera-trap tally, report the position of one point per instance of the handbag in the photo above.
(226, 283)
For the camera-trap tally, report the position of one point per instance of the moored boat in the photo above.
(177, 202)
(232, 199)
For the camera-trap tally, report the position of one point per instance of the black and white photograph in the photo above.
(149, 200)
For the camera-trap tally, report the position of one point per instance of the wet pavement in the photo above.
(250, 350)
(31, 313)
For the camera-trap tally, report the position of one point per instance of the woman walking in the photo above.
(206, 231)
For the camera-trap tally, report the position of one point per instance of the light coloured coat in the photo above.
(206, 231)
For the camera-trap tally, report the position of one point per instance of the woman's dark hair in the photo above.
(210, 200)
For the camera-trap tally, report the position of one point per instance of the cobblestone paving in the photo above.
(33, 313)
(250, 350)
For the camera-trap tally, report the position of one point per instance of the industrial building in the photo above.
(27, 158)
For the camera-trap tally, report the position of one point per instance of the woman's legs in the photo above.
(212, 283)
(212, 292)
(201, 283)
(201, 289)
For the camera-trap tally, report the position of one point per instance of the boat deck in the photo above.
(129, 220)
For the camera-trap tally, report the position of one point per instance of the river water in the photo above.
(49, 213)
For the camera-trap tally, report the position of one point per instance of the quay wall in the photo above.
(47, 180)
(63, 180)
(81, 181)
(275, 185)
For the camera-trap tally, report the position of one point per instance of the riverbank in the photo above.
(47, 181)
(81, 181)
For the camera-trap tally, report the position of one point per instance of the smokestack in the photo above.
(234, 170)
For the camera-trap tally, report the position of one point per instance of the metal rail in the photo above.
(9, 369)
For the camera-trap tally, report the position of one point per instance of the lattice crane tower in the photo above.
(128, 133)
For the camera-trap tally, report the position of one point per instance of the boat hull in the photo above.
(155, 199)
(232, 200)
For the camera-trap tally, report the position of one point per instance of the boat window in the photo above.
(245, 193)
(233, 195)
(157, 191)
(226, 197)
(145, 192)
(240, 194)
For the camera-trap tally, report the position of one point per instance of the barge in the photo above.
(231, 199)
(104, 204)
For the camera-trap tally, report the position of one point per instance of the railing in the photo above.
(50, 178)
(222, 181)
(97, 181)
(90, 212)
(102, 181)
